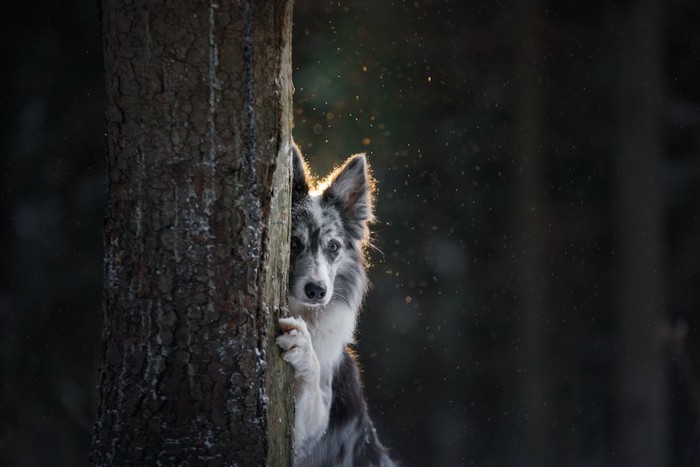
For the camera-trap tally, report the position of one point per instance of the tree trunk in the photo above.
(196, 234)
(642, 387)
(531, 220)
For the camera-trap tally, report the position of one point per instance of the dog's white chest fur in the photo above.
(331, 332)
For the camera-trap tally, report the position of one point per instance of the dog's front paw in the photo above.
(296, 346)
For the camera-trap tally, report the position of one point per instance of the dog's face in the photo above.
(329, 226)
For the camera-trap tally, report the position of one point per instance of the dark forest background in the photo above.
(538, 262)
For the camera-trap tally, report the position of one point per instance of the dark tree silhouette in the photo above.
(531, 218)
(196, 234)
(642, 381)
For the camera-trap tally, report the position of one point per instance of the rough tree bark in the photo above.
(642, 388)
(531, 216)
(196, 234)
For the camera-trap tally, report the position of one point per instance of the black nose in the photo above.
(315, 290)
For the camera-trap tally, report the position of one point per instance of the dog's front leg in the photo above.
(311, 404)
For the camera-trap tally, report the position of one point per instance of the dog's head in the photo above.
(329, 229)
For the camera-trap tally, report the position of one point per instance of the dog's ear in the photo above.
(352, 187)
(300, 176)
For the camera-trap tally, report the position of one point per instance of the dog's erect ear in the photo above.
(351, 185)
(300, 176)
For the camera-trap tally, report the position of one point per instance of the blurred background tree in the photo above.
(640, 371)
(448, 98)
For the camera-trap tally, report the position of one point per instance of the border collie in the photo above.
(327, 282)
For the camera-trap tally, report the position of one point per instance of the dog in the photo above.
(327, 283)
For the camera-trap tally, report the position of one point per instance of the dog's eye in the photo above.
(333, 246)
(296, 243)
